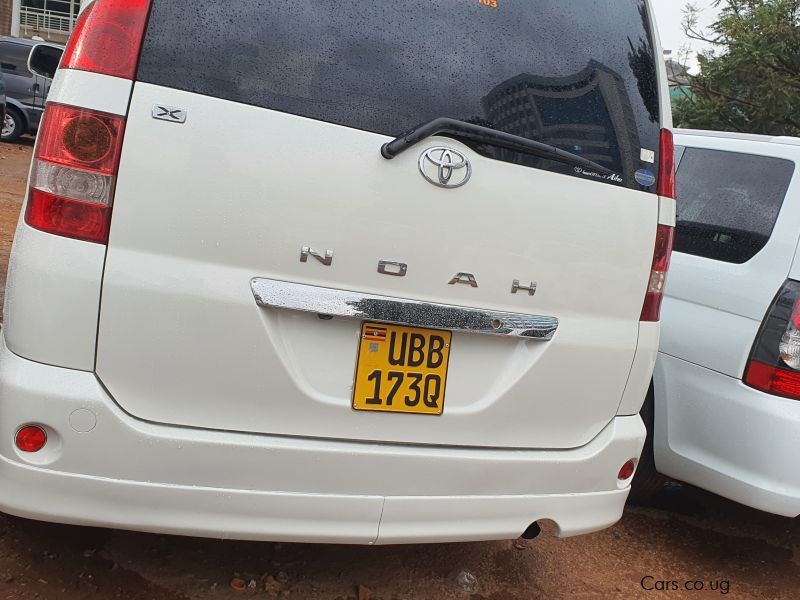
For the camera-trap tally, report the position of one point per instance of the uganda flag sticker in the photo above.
(374, 333)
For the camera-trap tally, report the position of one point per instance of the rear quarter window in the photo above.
(14, 59)
(580, 75)
(728, 203)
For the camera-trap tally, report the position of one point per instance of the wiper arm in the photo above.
(491, 137)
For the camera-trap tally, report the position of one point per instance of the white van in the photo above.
(365, 273)
(727, 383)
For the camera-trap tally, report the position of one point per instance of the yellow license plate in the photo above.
(401, 369)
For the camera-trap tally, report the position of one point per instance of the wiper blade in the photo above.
(491, 137)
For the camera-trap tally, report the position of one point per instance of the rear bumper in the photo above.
(103, 467)
(716, 433)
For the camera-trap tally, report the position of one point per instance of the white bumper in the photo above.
(716, 433)
(103, 467)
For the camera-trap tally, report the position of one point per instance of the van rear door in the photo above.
(269, 197)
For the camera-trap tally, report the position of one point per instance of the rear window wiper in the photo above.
(491, 137)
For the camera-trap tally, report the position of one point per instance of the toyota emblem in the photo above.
(445, 167)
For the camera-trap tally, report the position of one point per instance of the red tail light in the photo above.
(68, 218)
(84, 138)
(108, 38)
(651, 311)
(77, 155)
(774, 365)
(667, 185)
(73, 174)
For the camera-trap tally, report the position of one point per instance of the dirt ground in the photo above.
(14, 162)
(686, 536)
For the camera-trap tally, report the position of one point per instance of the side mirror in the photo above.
(44, 58)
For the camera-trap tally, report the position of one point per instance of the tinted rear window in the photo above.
(14, 59)
(580, 75)
(728, 202)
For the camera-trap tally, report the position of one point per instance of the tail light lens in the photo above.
(774, 365)
(73, 174)
(651, 311)
(108, 38)
(77, 155)
(81, 138)
(665, 235)
(667, 185)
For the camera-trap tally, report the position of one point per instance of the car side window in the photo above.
(14, 59)
(728, 203)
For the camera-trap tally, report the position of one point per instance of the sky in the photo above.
(669, 14)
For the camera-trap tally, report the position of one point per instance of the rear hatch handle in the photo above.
(491, 137)
(271, 293)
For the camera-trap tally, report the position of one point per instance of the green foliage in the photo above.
(750, 81)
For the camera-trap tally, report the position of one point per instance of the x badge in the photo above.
(169, 113)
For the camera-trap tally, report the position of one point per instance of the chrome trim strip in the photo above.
(270, 293)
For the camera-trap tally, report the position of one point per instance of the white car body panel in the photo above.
(710, 429)
(52, 299)
(54, 283)
(718, 434)
(291, 374)
(643, 365)
(90, 90)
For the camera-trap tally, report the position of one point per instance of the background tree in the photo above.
(750, 79)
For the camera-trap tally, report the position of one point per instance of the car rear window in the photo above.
(728, 202)
(580, 75)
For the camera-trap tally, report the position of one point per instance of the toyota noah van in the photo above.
(320, 271)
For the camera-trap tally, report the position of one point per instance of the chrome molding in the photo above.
(270, 293)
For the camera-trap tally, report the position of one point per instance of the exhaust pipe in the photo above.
(532, 531)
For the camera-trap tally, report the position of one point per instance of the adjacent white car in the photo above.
(727, 382)
(364, 273)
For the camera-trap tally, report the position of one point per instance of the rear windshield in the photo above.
(728, 202)
(577, 74)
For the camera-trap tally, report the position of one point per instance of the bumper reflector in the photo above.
(30, 438)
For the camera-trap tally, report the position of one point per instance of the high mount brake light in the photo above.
(108, 38)
(774, 365)
(77, 154)
(651, 310)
